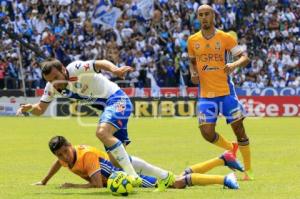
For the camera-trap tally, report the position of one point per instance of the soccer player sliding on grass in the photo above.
(95, 167)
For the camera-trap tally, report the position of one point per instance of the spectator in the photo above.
(269, 30)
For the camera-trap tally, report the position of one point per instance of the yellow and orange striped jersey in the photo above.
(87, 161)
(210, 57)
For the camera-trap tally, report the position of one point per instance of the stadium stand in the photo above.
(156, 48)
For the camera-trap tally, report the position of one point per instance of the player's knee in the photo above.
(102, 134)
(208, 135)
(208, 132)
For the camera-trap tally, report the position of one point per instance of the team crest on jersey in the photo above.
(197, 45)
(86, 67)
(218, 45)
(207, 46)
(47, 93)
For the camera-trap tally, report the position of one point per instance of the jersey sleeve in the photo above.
(91, 163)
(77, 68)
(190, 45)
(232, 45)
(48, 95)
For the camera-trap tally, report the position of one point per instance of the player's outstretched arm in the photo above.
(109, 66)
(36, 109)
(95, 182)
(53, 170)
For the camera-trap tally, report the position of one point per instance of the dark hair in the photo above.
(47, 66)
(57, 142)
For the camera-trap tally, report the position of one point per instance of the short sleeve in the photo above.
(48, 95)
(190, 46)
(91, 164)
(232, 45)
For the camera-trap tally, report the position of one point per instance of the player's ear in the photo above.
(214, 17)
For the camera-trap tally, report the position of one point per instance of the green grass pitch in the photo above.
(171, 143)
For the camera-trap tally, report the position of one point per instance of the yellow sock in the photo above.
(223, 143)
(204, 167)
(204, 179)
(246, 154)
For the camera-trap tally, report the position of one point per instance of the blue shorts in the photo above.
(107, 168)
(229, 106)
(117, 111)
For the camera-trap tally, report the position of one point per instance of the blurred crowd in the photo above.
(156, 48)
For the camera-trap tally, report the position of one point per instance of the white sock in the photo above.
(143, 167)
(119, 153)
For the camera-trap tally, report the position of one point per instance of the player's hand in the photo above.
(195, 78)
(121, 72)
(229, 68)
(66, 185)
(40, 183)
(23, 109)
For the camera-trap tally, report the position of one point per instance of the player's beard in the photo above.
(206, 26)
(64, 85)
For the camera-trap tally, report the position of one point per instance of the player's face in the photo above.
(65, 154)
(57, 78)
(206, 18)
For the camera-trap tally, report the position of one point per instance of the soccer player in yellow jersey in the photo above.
(208, 50)
(95, 167)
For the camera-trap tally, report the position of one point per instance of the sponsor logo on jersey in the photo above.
(217, 57)
(209, 68)
(86, 67)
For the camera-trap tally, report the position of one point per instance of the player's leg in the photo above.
(209, 134)
(105, 132)
(204, 167)
(208, 110)
(244, 147)
(112, 131)
(165, 178)
(193, 179)
(226, 159)
(234, 113)
(107, 168)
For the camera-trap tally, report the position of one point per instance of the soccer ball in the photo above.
(119, 183)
